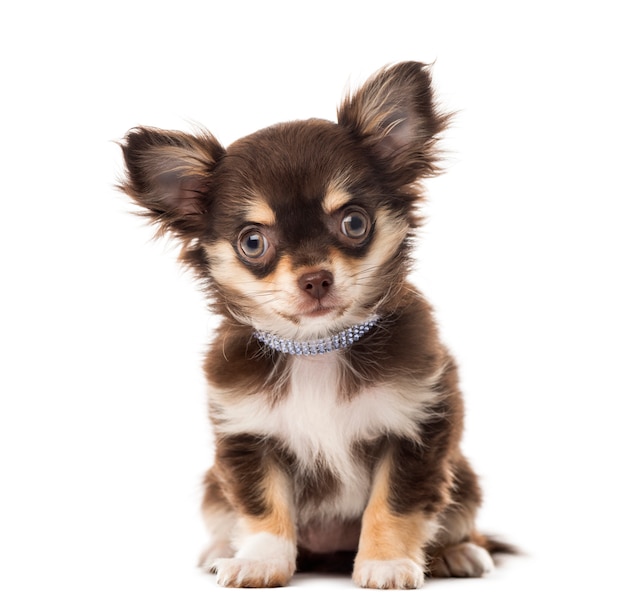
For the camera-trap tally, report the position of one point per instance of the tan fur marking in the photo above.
(225, 266)
(228, 270)
(390, 234)
(279, 521)
(336, 197)
(259, 212)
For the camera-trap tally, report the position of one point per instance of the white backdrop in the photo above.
(103, 434)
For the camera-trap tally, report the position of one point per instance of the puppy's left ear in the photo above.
(169, 173)
(394, 114)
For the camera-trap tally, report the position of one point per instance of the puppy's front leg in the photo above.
(390, 554)
(265, 540)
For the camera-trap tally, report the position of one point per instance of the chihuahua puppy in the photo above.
(336, 408)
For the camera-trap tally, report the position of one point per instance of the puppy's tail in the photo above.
(494, 545)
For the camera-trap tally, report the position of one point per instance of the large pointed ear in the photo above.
(169, 174)
(395, 115)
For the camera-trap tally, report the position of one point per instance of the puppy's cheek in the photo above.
(391, 233)
(230, 274)
(365, 273)
(224, 265)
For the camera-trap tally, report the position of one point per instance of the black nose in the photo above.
(316, 284)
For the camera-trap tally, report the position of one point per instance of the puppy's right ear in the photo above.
(169, 174)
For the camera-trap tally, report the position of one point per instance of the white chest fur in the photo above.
(318, 427)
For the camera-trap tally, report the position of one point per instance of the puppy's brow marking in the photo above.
(336, 197)
(259, 212)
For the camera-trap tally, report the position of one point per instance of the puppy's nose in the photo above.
(316, 284)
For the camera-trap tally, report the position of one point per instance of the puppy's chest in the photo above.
(314, 421)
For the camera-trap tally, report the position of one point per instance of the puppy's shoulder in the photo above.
(235, 360)
(405, 344)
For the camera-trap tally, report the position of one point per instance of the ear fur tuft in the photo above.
(169, 174)
(394, 113)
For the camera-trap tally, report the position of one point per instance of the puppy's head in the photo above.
(302, 228)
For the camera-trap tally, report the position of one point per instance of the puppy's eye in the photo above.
(253, 244)
(355, 224)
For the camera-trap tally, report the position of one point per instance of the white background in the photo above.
(103, 434)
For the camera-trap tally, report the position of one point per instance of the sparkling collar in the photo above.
(339, 341)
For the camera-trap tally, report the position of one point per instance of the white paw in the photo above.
(463, 560)
(400, 574)
(247, 573)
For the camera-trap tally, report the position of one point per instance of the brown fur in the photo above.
(292, 188)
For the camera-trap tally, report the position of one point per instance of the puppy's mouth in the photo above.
(317, 312)
(320, 310)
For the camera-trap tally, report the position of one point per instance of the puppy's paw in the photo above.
(248, 573)
(463, 560)
(400, 574)
(217, 549)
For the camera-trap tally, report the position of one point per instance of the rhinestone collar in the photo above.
(339, 341)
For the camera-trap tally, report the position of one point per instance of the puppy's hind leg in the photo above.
(458, 550)
(462, 560)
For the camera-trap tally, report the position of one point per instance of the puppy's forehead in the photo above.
(259, 211)
(309, 164)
